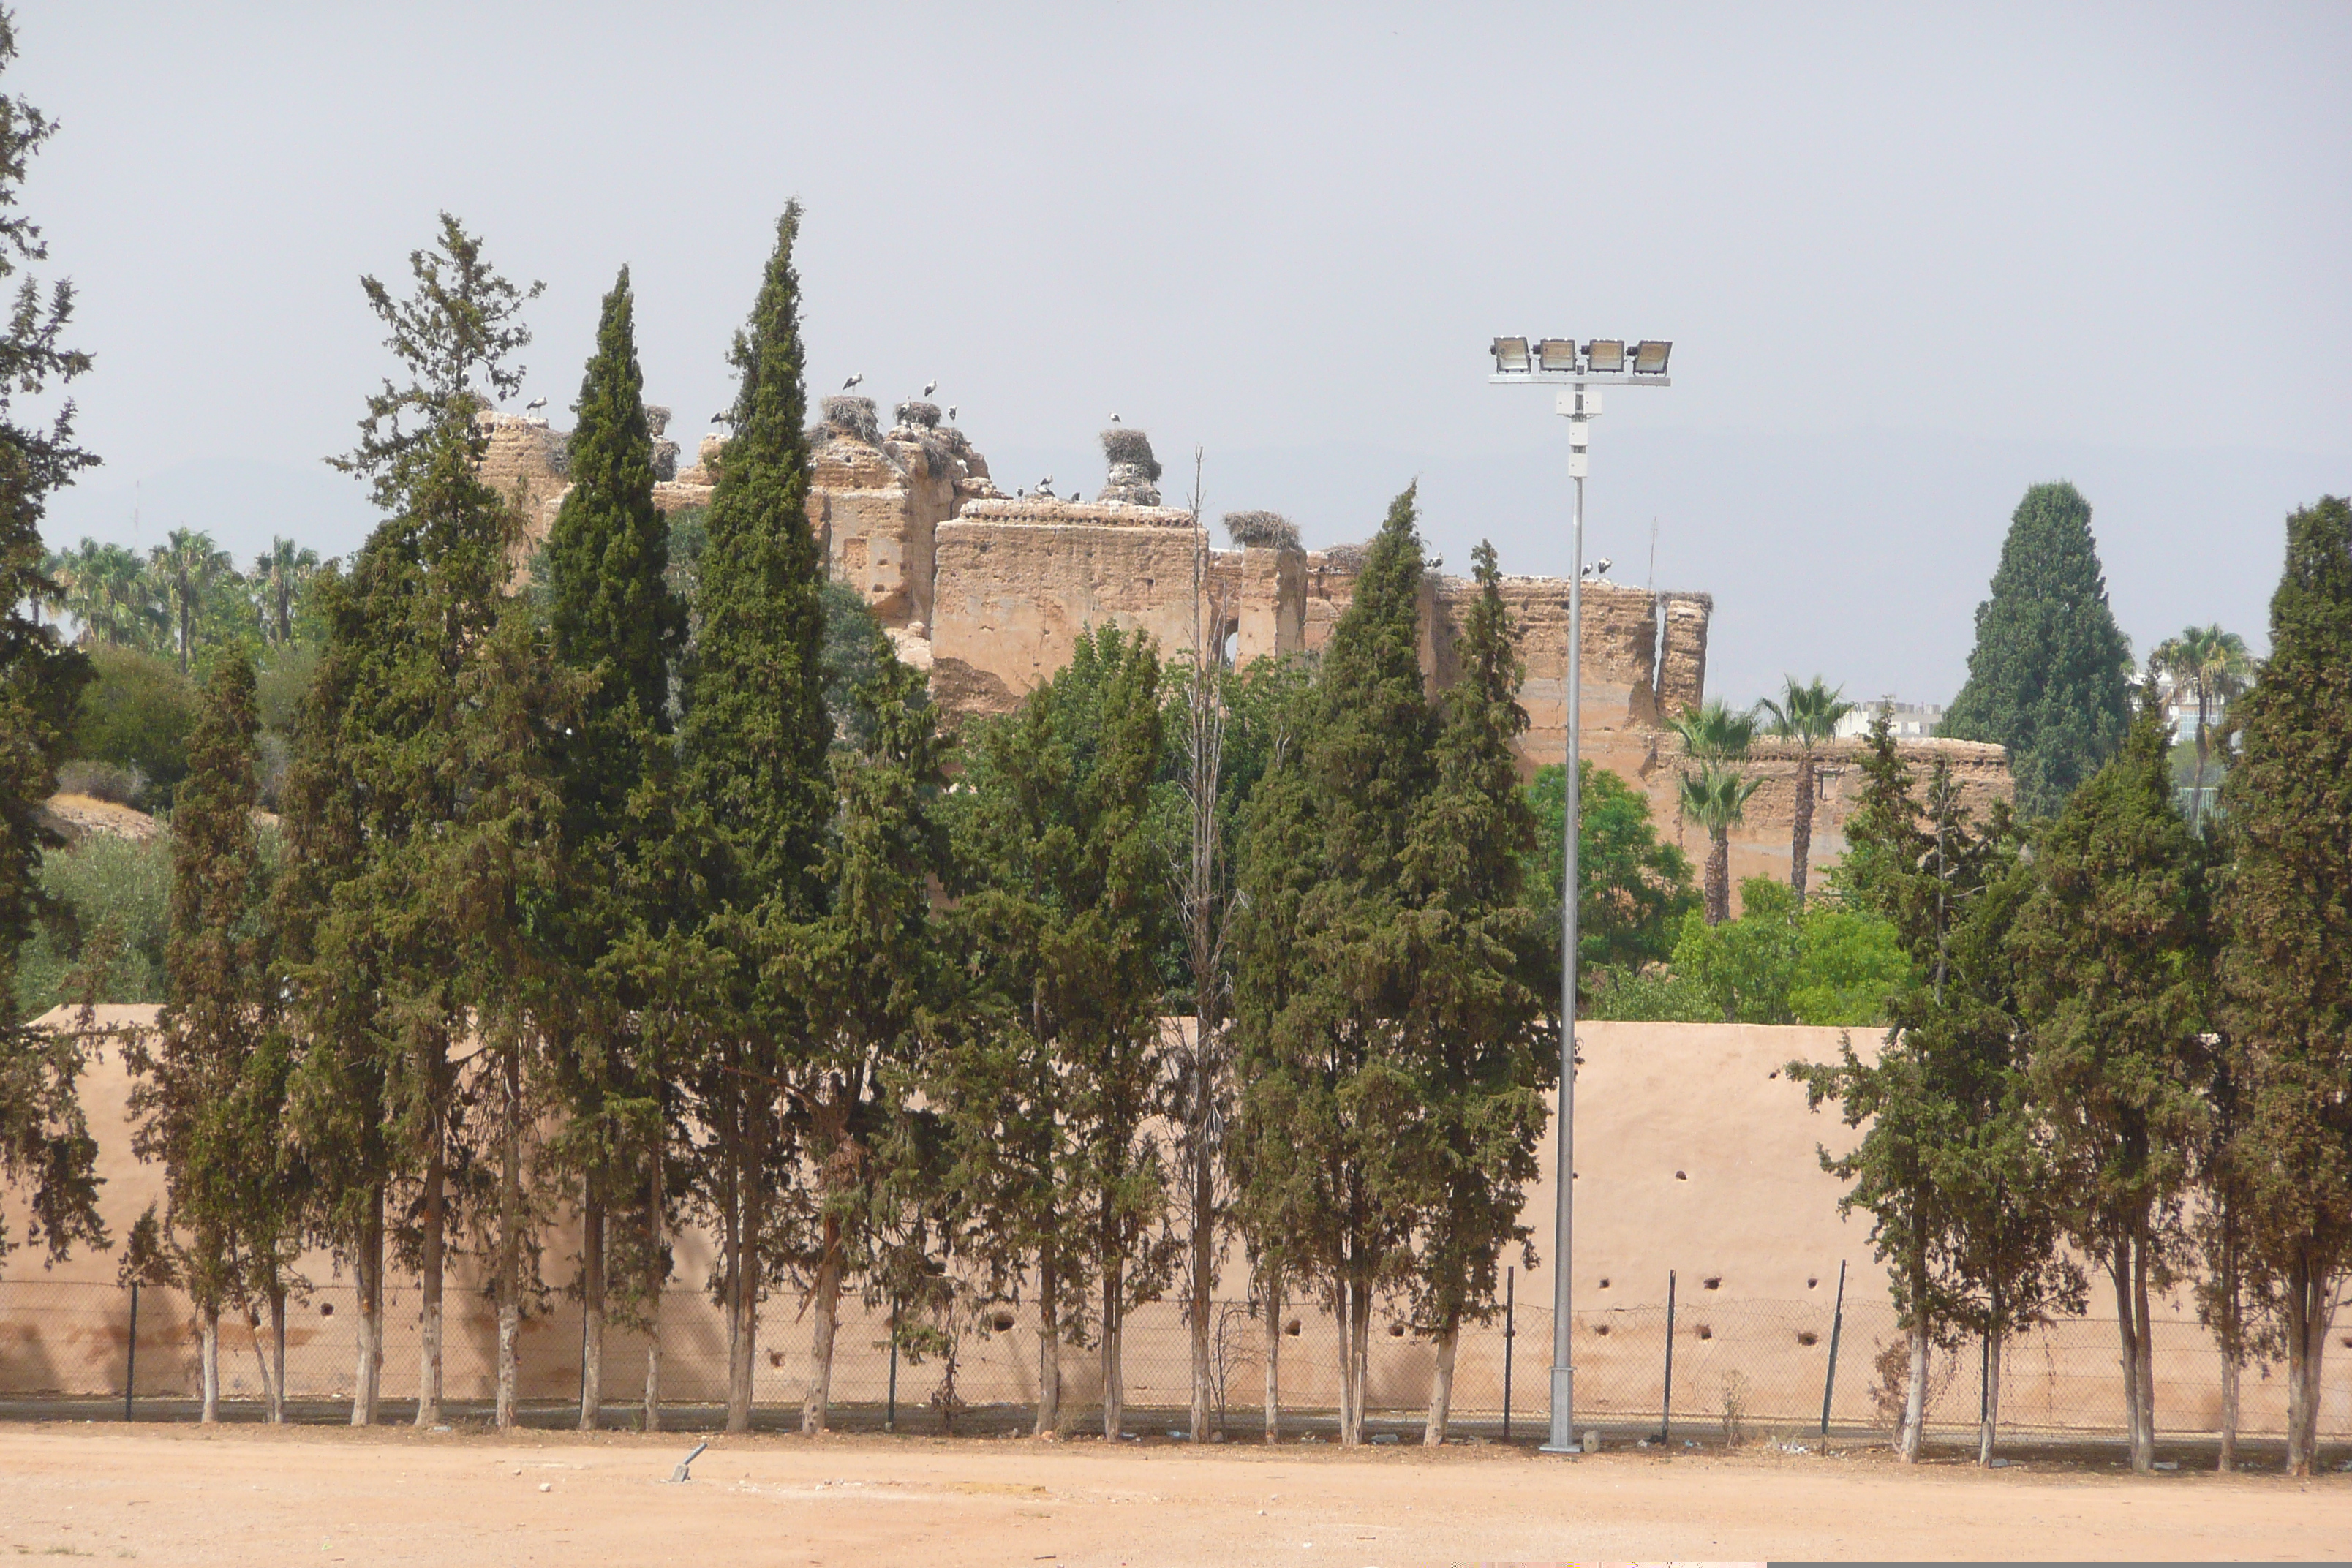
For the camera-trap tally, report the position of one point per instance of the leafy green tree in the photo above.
(418, 805)
(1060, 1082)
(185, 568)
(1807, 714)
(1777, 964)
(106, 591)
(138, 711)
(1473, 1050)
(753, 790)
(189, 1102)
(1713, 792)
(1322, 984)
(281, 572)
(1633, 889)
(45, 1147)
(866, 974)
(2288, 970)
(2114, 983)
(2050, 676)
(617, 624)
(2213, 668)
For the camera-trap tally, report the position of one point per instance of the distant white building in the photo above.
(2181, 708)
(1908, 720)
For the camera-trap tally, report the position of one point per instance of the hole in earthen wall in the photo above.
(1705, 1332)
(1807, 1337)
(1002, 1323)
(1713, 1281)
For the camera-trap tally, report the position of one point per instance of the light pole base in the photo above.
(1562, 1440)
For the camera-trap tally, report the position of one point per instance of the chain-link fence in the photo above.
(1728, 1367)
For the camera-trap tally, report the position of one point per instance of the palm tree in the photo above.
(106, 591)
(2214, 665)
(1807, 714)
(281, 572)
(1715, 798)
(1715, 795)
(185, 566)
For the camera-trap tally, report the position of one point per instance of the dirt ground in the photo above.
(246, 1494)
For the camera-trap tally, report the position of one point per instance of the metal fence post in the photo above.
(1666, 1412)
(1510, 1331)
(1837, 1323)
(130, 1369)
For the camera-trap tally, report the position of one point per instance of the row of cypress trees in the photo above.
(598, 894)
(2127, 1044)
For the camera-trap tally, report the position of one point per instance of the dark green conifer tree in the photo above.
(1475, 1048)
(2051, 675)
(2114, 983)
(213, 1025)
(2289, 967)
(754, 791)
(1321, 988)
(617, 625)
(45, 1142)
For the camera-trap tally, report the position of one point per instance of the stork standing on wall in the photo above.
(534, 405)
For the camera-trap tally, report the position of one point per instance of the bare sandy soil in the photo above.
(246, 1495)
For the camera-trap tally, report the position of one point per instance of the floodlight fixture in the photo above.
(1605, 356)
(1650, 357)
(1511, 356)
(1557, 356)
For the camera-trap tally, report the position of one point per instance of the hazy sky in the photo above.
(1912, 260)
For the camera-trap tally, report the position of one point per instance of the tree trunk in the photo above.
(656, 1278)
(591, 1303)
(745, 1309)
(2127, 1327)
(1204, 1235)
(1113, 1387)
(367, 1269)
(1718, 877)
(2309, 1292)
(1273, 1355)
(208, 1363)
(428, 1363)
(510, 1282)
(1441, 1392)
(1049, 1346)
(1800, 830)
(2144, 1439)
(827, 1310)
(1913, 1434)
(1991, 1398)
(1347, 1363)
(1360, 1364)
(2229, 1371)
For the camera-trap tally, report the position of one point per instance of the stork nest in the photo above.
(853, 416)
(1347, 557)
(656, 420)
(1121, 443)
(918, 415)
(1262, 529)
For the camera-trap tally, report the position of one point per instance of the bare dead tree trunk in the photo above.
(208, 1361)
(367, 1269)
(591, 1301)
(510, 1281)
(1049, 1344)
(1440, 1390)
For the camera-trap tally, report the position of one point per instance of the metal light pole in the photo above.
(1604, 362)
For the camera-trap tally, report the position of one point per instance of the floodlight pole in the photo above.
(1578, 405)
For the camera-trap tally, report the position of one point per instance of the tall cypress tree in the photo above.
(214, 1021)
(753, 785)
(2114, 985)
(2050, 677)
(1321, 985)
(44, 1143)
(409, 805)
(2288, 971)
(1475, 1049)
(617, 624)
